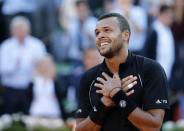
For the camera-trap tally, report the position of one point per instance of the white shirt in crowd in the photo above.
(17, 61)
(44, 99)
(165, 47)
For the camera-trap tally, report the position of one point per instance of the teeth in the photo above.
(104, 43)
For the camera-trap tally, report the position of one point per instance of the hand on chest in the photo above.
(130, 83)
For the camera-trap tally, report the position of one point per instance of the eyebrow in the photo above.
(104, 27)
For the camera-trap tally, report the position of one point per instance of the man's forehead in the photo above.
(107, 22)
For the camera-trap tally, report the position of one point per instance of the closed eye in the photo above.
(96, 33)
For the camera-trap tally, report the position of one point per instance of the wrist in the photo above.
(98, 113)
(114, 91)
(124, 104)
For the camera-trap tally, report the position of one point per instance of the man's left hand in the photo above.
(108, 84)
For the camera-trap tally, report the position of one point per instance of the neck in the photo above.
(113, 63)
(164, 21)
(21, 40)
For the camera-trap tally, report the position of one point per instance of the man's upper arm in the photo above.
(84, 107)
(158, 113)
(155, 87)
(79, 120)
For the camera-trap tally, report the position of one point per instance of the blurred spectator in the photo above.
(160, 42)
(2, 23)
(68, 7)
(106, 7)
(152, 8)
(178, 70)
(44, 92)
(91, 58)
(12, 8)
(138, 23)
(82, 30)
(60, 39)
(41, 14)
(45, 19)
(95, 6)
(178, 23)
(17, 58)
(69, 41)
(178, 32)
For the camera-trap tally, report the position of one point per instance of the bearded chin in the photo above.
(109, 54)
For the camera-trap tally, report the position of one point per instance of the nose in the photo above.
(101, 35)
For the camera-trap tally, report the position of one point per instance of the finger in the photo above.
(105, 75)
(134, 83)
(98, 85)
(126, 88)
(101, 80)
(130, 93)
(126, 83)
(126, 78)
(99, 91)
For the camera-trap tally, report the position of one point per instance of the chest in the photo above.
(138, 88)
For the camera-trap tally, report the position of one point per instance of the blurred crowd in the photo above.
(46, 45)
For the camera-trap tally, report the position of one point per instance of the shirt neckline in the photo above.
(122, 65)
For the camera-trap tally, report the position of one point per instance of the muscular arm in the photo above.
(85, 124)
(150, 120)
(144, 120)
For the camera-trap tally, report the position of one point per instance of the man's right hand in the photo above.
(127, 83)
(107, 101)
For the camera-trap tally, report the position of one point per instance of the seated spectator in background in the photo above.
(159, 44)
(44, 92)
(18, 55)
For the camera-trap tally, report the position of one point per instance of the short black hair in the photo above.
(78, 2)
(123, 23)
(164, 8)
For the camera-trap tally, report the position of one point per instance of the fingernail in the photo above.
(130, 86)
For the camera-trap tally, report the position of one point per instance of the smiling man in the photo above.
(104, 104)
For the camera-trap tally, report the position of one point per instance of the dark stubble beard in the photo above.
(111, 53)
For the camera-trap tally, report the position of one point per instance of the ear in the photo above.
(125, 35)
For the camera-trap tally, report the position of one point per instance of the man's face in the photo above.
(108, 37)
(82, 11)
(169, 17)
(20, 31)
